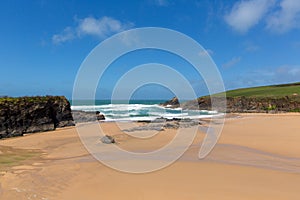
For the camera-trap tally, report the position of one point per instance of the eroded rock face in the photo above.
(33, 114)
(173, 103)
(246, 104)
(267, 104)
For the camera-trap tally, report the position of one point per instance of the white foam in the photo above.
(136, 112)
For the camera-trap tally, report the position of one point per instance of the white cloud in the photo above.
(206, 52)
(285, 19)
(287, 73)
(232, 62)
(131, 39)
(294, 72)
(65, 35)
(246, 14)
(102, 28)
(265, 76)
(274, 75)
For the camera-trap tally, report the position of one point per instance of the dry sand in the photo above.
(256, 157)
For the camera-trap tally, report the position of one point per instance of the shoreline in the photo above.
(204, 119)
(253, 156)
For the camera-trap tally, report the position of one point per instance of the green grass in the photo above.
(275, 91)
(295, 110)
(11, 157)
(36, 99)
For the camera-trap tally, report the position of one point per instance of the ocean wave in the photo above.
(135, 112)
(111, 107)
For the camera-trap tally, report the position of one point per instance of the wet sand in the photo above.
(256, 157)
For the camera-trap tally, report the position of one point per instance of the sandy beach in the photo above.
(256, 157)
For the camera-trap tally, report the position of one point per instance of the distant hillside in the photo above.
(274, 98)
(276, 91)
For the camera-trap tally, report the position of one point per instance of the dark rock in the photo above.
(107, 139)
(144, 121)
(246, 104)
(159, 120)
(165, 124)
(184, 123)
(173, 103)
(33, 114)
(171, 125)
(147, 127)
(175, 119)
(83, 116)
(100, 117)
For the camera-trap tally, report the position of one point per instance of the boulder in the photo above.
(100, 116)
(107, 139)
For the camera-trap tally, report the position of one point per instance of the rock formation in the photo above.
(107, 139)
(173, 103)
(246, 104)
(33, 114)
(83, 116)
(100, 116)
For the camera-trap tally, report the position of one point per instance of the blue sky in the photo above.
(43, 43)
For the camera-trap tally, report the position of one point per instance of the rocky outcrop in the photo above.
(247, 104)
(83, 116)
(33, 114)
(160, 124)
(266, 104)
(173, 103)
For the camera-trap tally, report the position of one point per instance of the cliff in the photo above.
(33, 114)
(272, 98)
(249, 104)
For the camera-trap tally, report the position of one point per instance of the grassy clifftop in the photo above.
(274, 98)
(273, 91)
(33, 99)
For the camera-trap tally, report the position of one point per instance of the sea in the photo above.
(138, 110)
